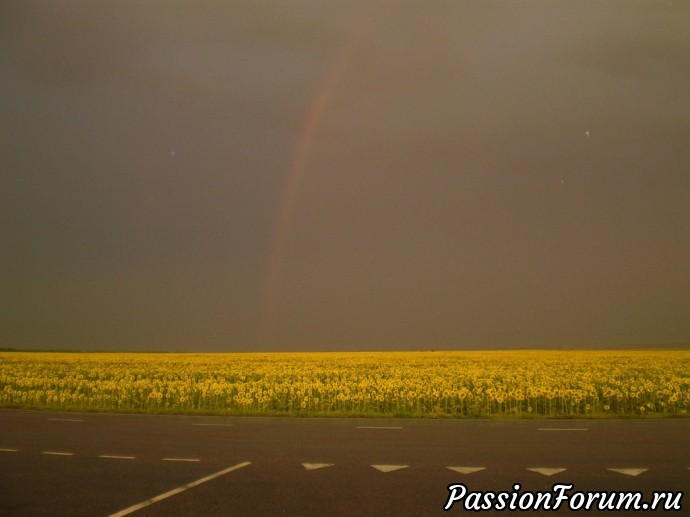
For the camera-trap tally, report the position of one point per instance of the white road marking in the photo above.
(628, 472)
(389, 468)
(175, 491)
(181, 459)
(66, 419)
(8, 450)
(466, 470)
(57, 453)
(113, 457)
(563, 429)
(546, 471)
(378, 427)
(215, 425)
(314, 466)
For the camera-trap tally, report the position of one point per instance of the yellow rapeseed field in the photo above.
(440, 384)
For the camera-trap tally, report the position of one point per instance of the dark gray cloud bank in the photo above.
(482, 174)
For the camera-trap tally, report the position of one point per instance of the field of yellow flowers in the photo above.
(415, 384)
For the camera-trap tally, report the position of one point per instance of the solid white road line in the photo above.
(113, 457)
(181, 459)
(175, 491)
(378, 427)
(8, 450)
(57, 453)
(66, 419)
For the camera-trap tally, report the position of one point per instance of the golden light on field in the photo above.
(443, 384)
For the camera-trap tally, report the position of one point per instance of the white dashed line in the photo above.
(181, 459)
(563, 429)
(175, 491)
(113, 457)
(65, 419)
(314, 466)
(8, 450)
(378, 427)
(57, 453)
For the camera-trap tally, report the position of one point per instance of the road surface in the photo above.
(76, 464)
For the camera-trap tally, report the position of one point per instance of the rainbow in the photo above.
(295, 171)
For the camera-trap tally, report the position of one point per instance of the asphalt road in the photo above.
(101, 464)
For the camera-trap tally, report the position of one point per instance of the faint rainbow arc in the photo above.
(281, 223)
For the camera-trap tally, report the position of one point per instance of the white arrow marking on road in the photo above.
(466, 470)
(389, 468)
(546, 471)
(629, 472)
(314, 466)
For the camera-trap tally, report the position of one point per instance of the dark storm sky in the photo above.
(344, 175)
